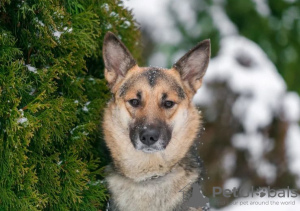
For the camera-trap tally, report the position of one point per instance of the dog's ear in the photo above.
(117, 59)
(192, 66)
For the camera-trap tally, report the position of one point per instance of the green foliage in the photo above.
(52, 95)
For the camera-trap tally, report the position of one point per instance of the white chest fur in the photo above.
(162, 193)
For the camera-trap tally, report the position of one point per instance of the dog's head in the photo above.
(151, 112)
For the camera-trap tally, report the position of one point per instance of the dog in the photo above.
(149, 127)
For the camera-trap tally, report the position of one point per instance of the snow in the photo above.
(67, 29)
(203, 96)
(41, 23)
(105, 6)
(32, 91)
(22, 120)
(162, 27)
(253, 143)
(57, 34)
(222, 22)
(232, 183)
(291, 107)
(248, 72)
(262, 7)
(229, 162)
(292, 147)
(267, 170)
(85, 108)
(31, 68)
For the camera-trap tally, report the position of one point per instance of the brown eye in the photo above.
(134, 102)
(168, 104)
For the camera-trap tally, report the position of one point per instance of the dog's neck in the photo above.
(126, 192)
(157, 173)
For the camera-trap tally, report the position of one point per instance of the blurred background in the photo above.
(250, 96)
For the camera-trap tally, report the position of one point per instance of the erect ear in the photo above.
(117, 59)
(192, 66)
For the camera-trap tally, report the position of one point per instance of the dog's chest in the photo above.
(163, 193)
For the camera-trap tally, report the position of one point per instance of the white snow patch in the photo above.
(248, 72)
(203, 96)
(67, 29)
(31, 68)
(229, 162)
(162, 27)
(291, 107)
(267, 170)
(106, 7)
(85, 108)
(41, 23)
(292, 145)
(127, 23)
(262, 7)
(57, 34)
(32, 91)
(22, 120)
(223, 23)
(253, 143)
(232, 183)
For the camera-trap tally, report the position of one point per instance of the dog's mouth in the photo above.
(156, 147)
(150, 138)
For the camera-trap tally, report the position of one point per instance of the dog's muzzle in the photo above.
(150, 138)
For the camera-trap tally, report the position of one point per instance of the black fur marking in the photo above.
(124, 88)
(180, 92)
(152, 75)
(164, 96)
(139, 95)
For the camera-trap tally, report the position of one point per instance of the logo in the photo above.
(261, 192)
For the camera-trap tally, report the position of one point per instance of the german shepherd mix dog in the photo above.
(150, 125)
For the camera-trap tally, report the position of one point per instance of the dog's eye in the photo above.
(168, 104)
(134, 102)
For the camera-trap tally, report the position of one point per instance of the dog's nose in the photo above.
(149, 136)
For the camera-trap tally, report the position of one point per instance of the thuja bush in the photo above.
(52, 95)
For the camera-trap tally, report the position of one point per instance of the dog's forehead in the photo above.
(152, 78)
